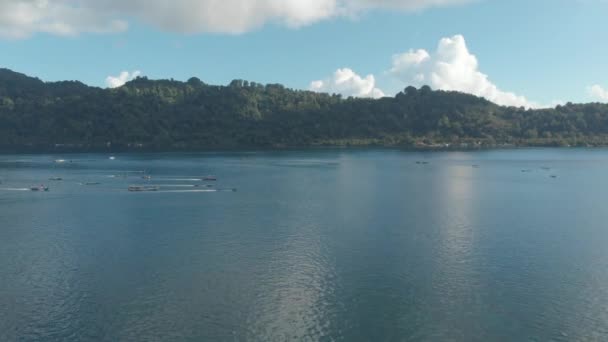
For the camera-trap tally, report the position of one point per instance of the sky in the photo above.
(532, 53)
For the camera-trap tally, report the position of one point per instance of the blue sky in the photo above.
(535, 52)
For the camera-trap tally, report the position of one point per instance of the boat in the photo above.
(91, 183)
(210, 178)
(39, 188)
(55, 179)
(146, 177)
(140, 188)
(112, 158)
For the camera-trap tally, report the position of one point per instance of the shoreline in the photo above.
(242, 149)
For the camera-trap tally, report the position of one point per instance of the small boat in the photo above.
(55, 179)
(146, 177)
(210, 178)
(91, 183)
(112, 158)
(39, 188)
(139, 188)
(59, 161)
(553, 176)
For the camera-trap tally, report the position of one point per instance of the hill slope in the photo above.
(172, 115)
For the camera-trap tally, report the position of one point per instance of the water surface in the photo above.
(313, 245)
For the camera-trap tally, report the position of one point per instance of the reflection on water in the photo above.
(297, 274)
(454, 282)
(319, 245)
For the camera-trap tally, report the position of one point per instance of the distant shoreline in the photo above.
(34, 151)
(171, 116)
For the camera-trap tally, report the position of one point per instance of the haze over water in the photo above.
(314, 245)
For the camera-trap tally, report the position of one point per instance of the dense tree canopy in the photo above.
(173, 115)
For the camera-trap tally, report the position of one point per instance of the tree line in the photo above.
(192, 115)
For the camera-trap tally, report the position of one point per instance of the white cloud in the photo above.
(222, 16)
(348, 83)
(121, 79)
(598, 92)
(22, 18)
(407, 5)
(452, 67)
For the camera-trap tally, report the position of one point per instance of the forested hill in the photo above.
(172, 115)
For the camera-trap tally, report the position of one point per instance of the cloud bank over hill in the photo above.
(451, 67)
(598, 93)
(121, 79)
(348, 83)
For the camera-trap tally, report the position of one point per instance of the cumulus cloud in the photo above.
(452, 67)
(21, 18)
(598, 92)
(121, 79)
(348, 83)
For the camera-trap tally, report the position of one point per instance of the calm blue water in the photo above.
(317, 245)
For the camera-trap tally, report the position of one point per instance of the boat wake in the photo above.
(186, 191)
(182, 179)
(160, 191)
(176, 185)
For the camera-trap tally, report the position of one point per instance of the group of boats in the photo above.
(131, 188)
(476, 166)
